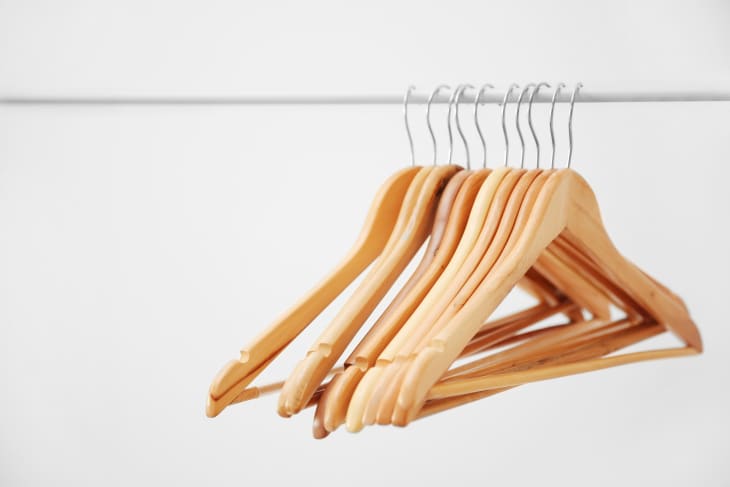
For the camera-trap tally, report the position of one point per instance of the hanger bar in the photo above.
(584, 96)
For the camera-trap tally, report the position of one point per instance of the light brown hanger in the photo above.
(505, 220)
(566, 206)
(380, 389)
(379, 223)
(441, 245)
(588, 340)
(573, 283)
(311, 371)
(590, 350)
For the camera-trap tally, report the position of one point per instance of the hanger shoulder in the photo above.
(379, 222)
(586, 227)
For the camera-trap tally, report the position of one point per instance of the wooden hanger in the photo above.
(388, 384)
(379, 223)
(502, 218)
(588, 340)
(467, 241)
(331, 409)
(379, 387)
(524, 207)
(566, 206)
(597, 348)
(309, 373)
(441, 245)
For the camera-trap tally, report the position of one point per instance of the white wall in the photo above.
(140, 248)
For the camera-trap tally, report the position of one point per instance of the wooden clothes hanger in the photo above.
(604, 339)
(441, 245)
(379, 223)
(313, 369)
(249, 393)
(375, 395)
(540, 229)
(565, 207)
(568, 207)
(321, 357)
(354, 412)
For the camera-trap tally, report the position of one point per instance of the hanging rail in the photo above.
(492, 96)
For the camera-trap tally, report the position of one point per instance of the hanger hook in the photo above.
(504, 125)
(428, 117)
(517, 123)
(408, 127)
(578, 86)
(452, 101)
(460, 92)
(529, 120)
(476, 120)
(552, 126)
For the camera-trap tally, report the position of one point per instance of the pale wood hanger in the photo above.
(605, 338)
(531, 315)
(309, 373)
(503, 213)
(331, 409)
(520, 202)
(597, 348)
(388, 383)
(441, 244)
(566, 206)
(379, 223)
(478, 214)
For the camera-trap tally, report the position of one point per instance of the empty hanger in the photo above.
(379, 223)
(447, 228)
(566, 207)
(319, 360)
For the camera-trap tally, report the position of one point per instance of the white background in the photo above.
(140, 248)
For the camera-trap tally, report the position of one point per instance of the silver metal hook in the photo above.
(517, 124)
(504, 125)
(408, 128)
(476, 120)
(452, 100)
(578, 86)
(428, 117)
(552, 126)
(460, 92)
(529, 120)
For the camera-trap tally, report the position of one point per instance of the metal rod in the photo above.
(585, 96)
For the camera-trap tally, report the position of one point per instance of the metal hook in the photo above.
(529, 121)
(578, 86)
(476, 120)
(504, 125)
(552, 127)
(428, 117)
(452, 100)
(517, 123)
(460, 92)
(408, 128)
